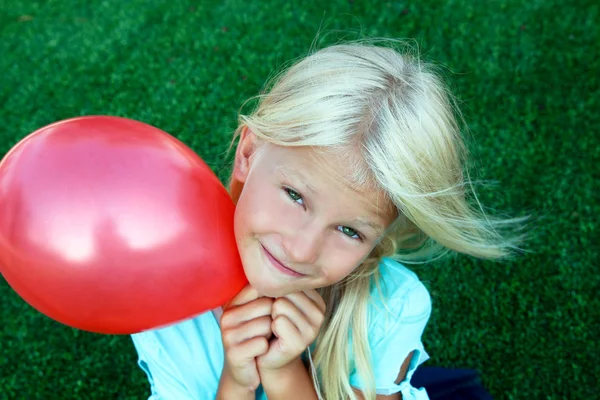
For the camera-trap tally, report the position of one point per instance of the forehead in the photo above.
(340, 178)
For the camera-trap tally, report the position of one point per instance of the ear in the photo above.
(245, 149)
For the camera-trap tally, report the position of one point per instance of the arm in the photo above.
(395, 396)
(230, 390)
(290, 382)
(245, 327)
(400, 378)
(297, 319)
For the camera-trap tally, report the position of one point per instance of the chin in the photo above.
(259, 277)
(267, 288)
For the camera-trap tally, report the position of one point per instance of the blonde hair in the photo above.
(393, 110)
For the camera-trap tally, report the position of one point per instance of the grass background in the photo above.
(527, 74)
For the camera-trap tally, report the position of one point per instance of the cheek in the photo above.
(238, 224)
(242, 221)
(342, 263)
(258, 212)
(264, 212)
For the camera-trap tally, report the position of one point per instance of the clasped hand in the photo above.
(262, 333)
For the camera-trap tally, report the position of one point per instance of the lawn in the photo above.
(527, 75)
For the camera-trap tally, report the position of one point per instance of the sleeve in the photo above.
(394, 334)
(165, 384)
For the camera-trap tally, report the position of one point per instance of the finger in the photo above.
(284, 307)
(244, 353)
(255, 328)
(311, 310)
(317, 299)
(233, 317)
(246, 295)
(289, 339)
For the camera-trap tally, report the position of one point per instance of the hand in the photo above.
(245, 330)
(297, 319)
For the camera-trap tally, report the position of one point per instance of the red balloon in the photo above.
(113, 226)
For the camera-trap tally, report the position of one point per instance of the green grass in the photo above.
(527, 74)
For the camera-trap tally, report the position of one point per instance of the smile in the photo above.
(278, 265)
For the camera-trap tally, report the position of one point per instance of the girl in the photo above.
(352, 157)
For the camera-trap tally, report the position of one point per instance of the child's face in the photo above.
(298, 225)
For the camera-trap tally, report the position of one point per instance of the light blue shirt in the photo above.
(184, 361)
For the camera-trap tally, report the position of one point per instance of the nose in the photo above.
(302, 246)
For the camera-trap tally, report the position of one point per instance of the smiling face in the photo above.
(299, 224)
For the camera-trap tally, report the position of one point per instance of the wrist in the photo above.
(283, 370)
(292, 381)
(229, 388)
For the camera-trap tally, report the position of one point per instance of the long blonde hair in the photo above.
(396, 111)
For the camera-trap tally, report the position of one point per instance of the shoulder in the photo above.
(180, 335)
(400, 305)
(187, 354)
(398, 312)
(400, 291)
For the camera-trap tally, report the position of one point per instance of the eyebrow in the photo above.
(292, 174)
(373, 225)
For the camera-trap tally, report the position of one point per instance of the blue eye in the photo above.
(351, 233)
(295, 196)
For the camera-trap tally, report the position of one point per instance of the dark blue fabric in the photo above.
(450, 384)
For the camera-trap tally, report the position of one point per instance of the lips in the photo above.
(278, 264)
